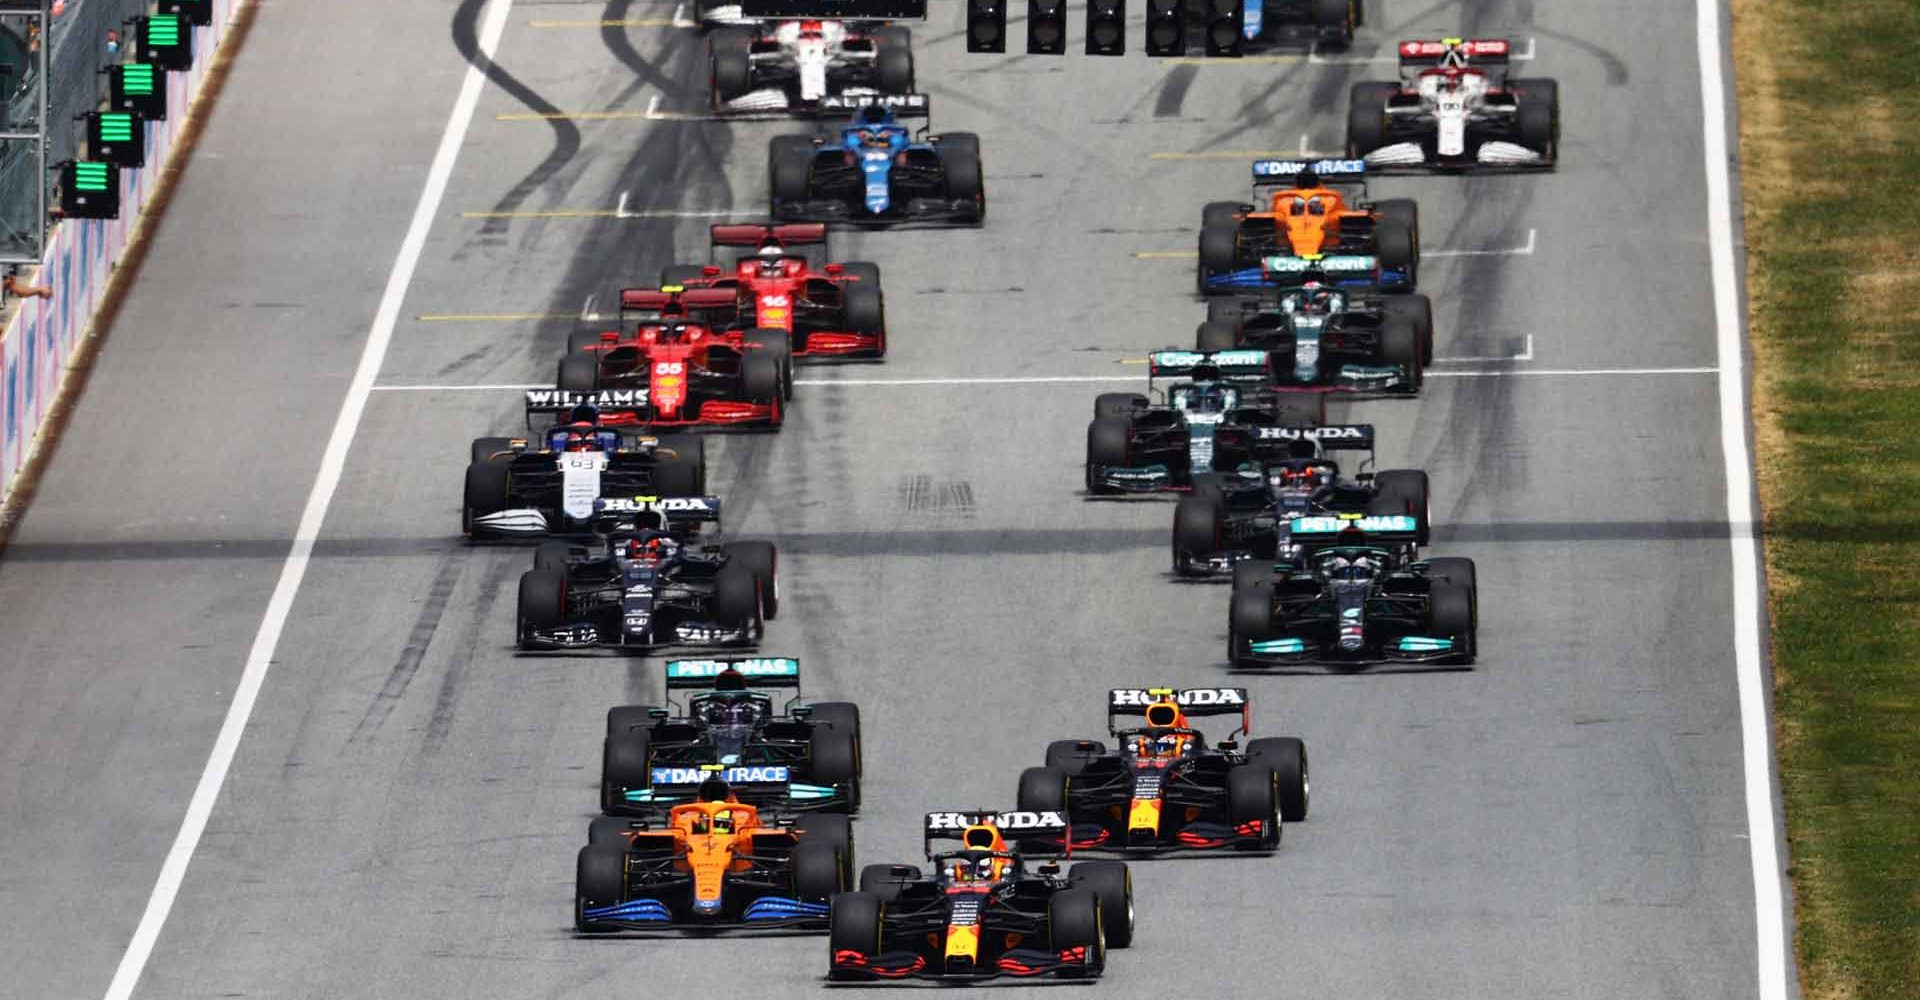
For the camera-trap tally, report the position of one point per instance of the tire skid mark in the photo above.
(566, 135)
(418, 639)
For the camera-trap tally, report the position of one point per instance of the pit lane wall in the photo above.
(38, 344)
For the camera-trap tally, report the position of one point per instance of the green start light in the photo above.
(138, 88)
(166, 40)
(117, 137)
(92, 176)
(90, 190)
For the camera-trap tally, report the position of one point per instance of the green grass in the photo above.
(1830, 140)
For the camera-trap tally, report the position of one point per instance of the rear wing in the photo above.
(844, 10)
(659, 300)
(757, 671)
(1235, 365)
(1193, 702)
(902, 105)
(1323, 265)
(541, 401)
(1350, 529)
(952, 825)
(1333, 437)
(1282, 173)
(1481, 52)
(753, 234)
(736, 775)
(668, 512)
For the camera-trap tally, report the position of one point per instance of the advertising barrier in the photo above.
(39, 342)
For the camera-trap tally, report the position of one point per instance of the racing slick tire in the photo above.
(1400, 345)
(1537, 119)
(626, 761)
(1418, 309)
(623, 719)
(1287, 756)
(682, 275)
(883, 881)
(834, 751)
(1396, 239)
(1403, 491)
(579, 372)
(732, 66)
(1213, 336)
(1118, 404)
(1109, 443)
(490, 449)
(865, 272)
(1066, 756)
(580, 340)
(1073, 921)
(1043, 789)
(966, 180)
(763, 561)
(1459, 570)
(790, 169)
(1230, 313)
(817, 871)
(609, 830)
(1219, 252)
(1367, 116)
(835, 833)
(1112, 882)
(1451, 612)
(1221, 213)
(1249, 617)
(552, 556)
(600, 879)
(1253, 797)
(764, 379)
(1248, 572)
(775, 344)
(892, 36)
(543, 601)
(853, 925)
(736, 597)
(683, 473)
(1299, 409)
(486, 492)
(865, 308)
(1196, 530)
(893, 69)
(1339, 15)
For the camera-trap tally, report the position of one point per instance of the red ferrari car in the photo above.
(671, 371)
(834, 310)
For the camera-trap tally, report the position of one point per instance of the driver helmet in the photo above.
(988, 866)
(770, 258)
(651, 550)
(1338, 561)
(1207, 399)
(1301, 474)
(731, 711)
(579, 436)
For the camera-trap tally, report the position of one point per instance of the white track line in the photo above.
(854, 383)
(1526, 355)
(1756, 732)
(1533, 236)
(173, 870)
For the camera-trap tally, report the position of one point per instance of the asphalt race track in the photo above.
(1565, 820)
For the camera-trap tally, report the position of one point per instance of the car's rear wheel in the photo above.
(1067, 757)
(491, 449)
(882, 881)
(1117, 404)
(816, 872)
(893, 69)
(680, 466)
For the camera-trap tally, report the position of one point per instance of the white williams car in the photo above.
(793, 65)
(1455, 107)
